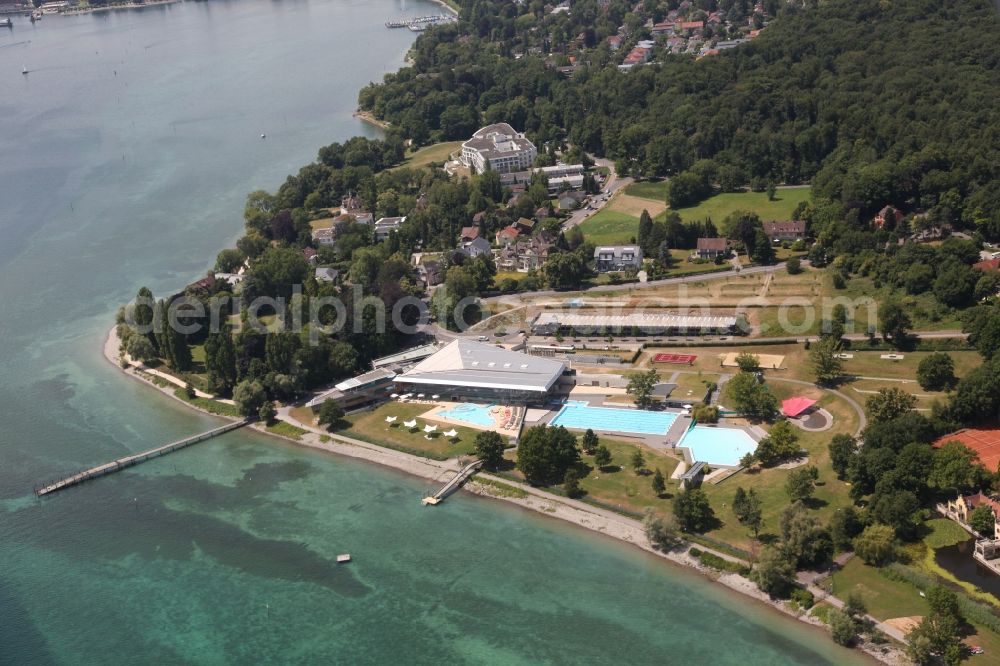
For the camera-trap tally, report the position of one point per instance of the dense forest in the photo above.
(871, 101)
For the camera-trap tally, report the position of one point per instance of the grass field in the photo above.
(721, 205)
(371, 427)
(884, 598)
(286, 430)
(630, 205)
(436, 153)
(655, 190)
(608, 227)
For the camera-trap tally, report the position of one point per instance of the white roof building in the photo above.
(548, 323)
(501, 147)
(477, 369)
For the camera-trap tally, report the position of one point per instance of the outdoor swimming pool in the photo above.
(471, 413)
(581, 416)
(718, 446)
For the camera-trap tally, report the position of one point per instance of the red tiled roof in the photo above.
(795, 406)
(988, 265)
(712, 244)
(984, 442)
(786, 227)
(471, 233)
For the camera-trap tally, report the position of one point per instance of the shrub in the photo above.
(804, 598)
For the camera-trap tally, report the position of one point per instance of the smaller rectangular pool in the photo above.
(581, 416)
(718, 446)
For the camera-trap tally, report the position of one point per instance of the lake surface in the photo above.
(127, 152)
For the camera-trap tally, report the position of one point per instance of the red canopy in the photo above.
(795, 406)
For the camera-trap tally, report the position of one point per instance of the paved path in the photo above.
(611, 187)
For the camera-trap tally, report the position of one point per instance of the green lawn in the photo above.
(435, 153)
(943, 533)
(884, 598)
(648, 189)
(286, 430)
(212, 406)
(721, 205)
(608, 227)
(624, 488)
(371, 427)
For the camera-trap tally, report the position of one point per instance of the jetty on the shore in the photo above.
(128, 461)
(454, 483)
(421, 22)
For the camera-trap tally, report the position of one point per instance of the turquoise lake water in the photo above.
(127, 153)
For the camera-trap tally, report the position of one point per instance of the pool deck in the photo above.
(435, 415)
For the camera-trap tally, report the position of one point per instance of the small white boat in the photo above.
(6, 23)
(343, 558)
(24, 70)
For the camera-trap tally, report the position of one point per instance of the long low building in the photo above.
(550, 323)
(357, 391)
(469, 370)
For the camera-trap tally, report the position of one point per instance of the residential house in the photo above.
(468, 234)
(524, 255)
(542, 213)
(507, 235)
(567, 202)
(327, 275)
(429, 273)
(615, 42)
(477, 247)
(791, 230)
(500, 147)
(988, 266)
(309, 254)
(524, 226)
(324, 236)
(962, 506)
(617, 258)
(353, 206)
(888, 215)
(386, 225)
(689, 27)
(710, 248)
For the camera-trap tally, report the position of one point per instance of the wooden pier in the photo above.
(454, 483)
(129, 461)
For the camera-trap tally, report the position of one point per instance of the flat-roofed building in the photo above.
(635, 324)
(470, 370)
(617, 258)
(499, 147)
(405, 358)
(358, 391)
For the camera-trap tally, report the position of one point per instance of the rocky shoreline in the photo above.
(575, 512)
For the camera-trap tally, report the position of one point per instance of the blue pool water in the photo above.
(471, 413)
(718, 446)
(582, 416)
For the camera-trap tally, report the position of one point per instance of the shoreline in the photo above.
(367, 117)
(129, 5)
(606, 523)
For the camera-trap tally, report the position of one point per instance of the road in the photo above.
(611, 186)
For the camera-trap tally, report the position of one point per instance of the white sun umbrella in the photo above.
(394, 396)
(420, 395)
(451, 433)
(430, 428)
(688, 406)
(410, 424)
(435, 396)
(390, 419)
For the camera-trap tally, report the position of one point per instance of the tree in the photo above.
(638, 461)
(844, 526)
(823, 357)
(545, 453)
(793, 265)
(220, 361)
(703, 413)
(752, 398)
(803, 538)
(489, 447)
(267, 412)
(983, 520)
(940, 632)
(956, 469)
(763, 251)
(659, 483)
(249, 395)
(748, 509)
(842, 448)
(842, 628)
(894, 323)
(140, 348)
(693, 512)
(800, 483)
(662, 531)
(330, 414)
(955, 284)
(571, 483)
(780, 444)
(640, 387)
(936, 372)
(602, 456)
(876, 545)
(229, 261)
(142, 312)
(748, 362)
(563, 270)
(590, 442)
(774, 571)
(889, 403)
